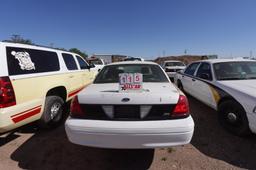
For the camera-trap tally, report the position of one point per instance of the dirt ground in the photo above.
(211, 148)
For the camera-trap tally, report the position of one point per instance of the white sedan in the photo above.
(115, 112)
(226, 85)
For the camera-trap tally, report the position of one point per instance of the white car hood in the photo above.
(153, 93)
(245, 86)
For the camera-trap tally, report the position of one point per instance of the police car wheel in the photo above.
(232, 117)
(53, 112)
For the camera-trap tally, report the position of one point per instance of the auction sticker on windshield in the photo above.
(130, 82)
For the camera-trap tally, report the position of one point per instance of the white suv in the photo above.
(35, 83)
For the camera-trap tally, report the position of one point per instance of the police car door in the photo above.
(202, 87)
(187, 77)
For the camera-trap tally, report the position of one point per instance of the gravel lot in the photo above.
(211, 148)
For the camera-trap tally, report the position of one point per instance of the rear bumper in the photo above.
(130, 134)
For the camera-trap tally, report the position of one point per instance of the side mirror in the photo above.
(205, 76)
(91, 65)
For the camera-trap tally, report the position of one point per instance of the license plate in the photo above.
(127, 112)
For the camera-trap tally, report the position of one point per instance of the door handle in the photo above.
(193, 80)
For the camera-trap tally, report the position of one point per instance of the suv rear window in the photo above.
(82, 63)
(69, 61)
(28, 61)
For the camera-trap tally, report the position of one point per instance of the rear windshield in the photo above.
(170, 64)
(151, 73)
(27, 61)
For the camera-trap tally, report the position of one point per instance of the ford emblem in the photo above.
(125, 100)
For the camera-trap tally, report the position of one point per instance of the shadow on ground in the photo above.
(212, 140)
(52, 150)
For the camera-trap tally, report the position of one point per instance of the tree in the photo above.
(77, 51)
(18, 39)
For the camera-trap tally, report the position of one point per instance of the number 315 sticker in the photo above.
(130, 81)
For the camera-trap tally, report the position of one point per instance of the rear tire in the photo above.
(53, 112)
(232, 117)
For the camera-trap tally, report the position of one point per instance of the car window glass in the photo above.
(191, 69)
(173, 64)
(82, 63)
(69, 61)
(203, 70)
(151, 73)
(28, 61)
(235, 70)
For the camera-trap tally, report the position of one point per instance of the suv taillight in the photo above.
(182, 107)
(75, 109)
(7, 95)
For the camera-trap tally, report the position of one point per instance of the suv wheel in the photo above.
(233, 117)
(53, 112)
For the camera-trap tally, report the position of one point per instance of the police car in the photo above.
(130, 105)
(226, 85)
(173, 66)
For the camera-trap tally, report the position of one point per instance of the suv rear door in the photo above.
(74, 75)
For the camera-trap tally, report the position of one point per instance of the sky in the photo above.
(140, 28)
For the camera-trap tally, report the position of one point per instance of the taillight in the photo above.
(75, 108)
(7, 95)
(182, 108)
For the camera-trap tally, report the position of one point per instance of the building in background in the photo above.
(187, 59)
(110, 58)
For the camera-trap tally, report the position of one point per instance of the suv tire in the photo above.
(53, 112)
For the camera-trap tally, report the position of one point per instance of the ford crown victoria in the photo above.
(130, 105)
(228, 86)
(173, 66)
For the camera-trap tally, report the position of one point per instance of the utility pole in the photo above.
(163, 53)
(251, 54)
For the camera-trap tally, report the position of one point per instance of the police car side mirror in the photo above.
(205, 76)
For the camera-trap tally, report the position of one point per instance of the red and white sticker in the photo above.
(130, 81)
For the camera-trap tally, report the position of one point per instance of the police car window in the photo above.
(69, 61)
(204, 71)
(82, 63)
(191, 69)
(28, 61)
(235, 70)
(151, 73)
